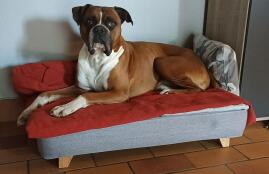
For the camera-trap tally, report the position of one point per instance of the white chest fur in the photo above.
(93, 70)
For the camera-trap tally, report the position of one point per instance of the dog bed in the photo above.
(148, 120)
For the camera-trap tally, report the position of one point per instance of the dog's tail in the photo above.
(213, 82)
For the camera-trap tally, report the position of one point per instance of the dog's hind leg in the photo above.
(45, 98)
(179, 72)
(164, 88)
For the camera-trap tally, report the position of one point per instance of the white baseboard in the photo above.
(262, 118)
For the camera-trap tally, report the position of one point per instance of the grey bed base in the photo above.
(164, 130)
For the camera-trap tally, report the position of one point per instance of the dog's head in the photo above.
(100, 27)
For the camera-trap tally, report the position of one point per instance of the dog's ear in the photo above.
(78, 12)
(124, 15)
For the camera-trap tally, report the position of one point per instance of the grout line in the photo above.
(75, 169)
(12, 162)
(230, 169)
(193, 169)
(247, 137)
(189, 161)
(28, 167)
(205, 150)
(149, 149)
(120, 162)
(132, 170)
(124, 162)
(241, 161)
(252, 143)
(94, 160)
(188, 152)
(241, 153)
(82, 168)
(78, 169)
(249, 160)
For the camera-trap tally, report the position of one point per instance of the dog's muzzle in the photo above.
(100, 35)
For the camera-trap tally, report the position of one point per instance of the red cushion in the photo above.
(34, 78)
(39, 77)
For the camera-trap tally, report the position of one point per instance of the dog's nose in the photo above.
(99, 29)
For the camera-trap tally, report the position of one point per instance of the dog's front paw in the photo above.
(22, 119)
(69, 108)
(62, 110)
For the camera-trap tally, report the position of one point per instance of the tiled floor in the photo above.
(247, 155)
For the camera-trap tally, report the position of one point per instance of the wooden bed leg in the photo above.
(225, 142)
(64, 161)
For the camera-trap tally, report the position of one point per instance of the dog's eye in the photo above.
(91, 21)
(111, 25)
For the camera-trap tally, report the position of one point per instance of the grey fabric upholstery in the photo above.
(158, 131)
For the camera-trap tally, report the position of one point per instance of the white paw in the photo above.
(22, 119)
(69, 108)
(166, 91)
(62, 111)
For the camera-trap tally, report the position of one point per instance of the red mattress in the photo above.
(34, 78)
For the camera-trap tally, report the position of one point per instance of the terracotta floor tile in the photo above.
(240, 140)
(256, 135)
(215, 157)
(42, 166)
(259, 166)
(10, 129)
(161, 165)
(18, 154)
(113, 157)
(176, 148)
(254, 150)
(210, 170)
(13, 142)
(122, 168)
(257, 125)
(14, 168)
(10, 109)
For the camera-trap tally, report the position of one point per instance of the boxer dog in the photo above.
(112, 70)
